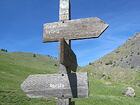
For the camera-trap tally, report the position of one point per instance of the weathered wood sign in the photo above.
(72, 85)
(67, 56)
(74, 29)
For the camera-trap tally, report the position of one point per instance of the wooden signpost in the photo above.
(74, 29)
(72, 85)
(67, 84)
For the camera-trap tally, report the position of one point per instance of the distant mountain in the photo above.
(126, 56)
(121, 65)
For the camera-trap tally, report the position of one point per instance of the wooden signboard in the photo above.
(74, 29)
(67, 56)
(72, 85)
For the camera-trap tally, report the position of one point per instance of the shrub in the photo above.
(90, 63)
(132, 67)
(55, 64)
(4, 50)
(34, 55)
(117, 51)
(121, 59)
(109, 77)
(109, 63)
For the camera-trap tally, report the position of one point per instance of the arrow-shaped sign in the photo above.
(74, 29)
(72, 85)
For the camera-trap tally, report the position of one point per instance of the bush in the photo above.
(4, 50)
(132, 67)
(121, 59)
(34, 55)
(109, 63)
(90, 63)
(117, 51)
(55, 65)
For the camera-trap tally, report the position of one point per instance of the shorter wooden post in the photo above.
(63, 69)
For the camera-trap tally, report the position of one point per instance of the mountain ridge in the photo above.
(126, 55)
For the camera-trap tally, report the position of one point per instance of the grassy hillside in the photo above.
(107, 77)
(125, 56)
(14, 68)
(121, 68)
(121, 65)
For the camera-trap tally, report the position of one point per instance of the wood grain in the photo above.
(64, 11)
(67, 56)
(71, 85)
(74, 29)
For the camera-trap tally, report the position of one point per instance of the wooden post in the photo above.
(63, 69)
(64, 14)
(64, 10)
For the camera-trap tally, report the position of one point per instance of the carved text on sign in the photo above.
(74, 29)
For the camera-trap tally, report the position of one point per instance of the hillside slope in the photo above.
(126, 56)
(121, 65)
(14, 68)
(118, 69)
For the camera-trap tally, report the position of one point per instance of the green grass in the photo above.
(104, 94)
(15, 67)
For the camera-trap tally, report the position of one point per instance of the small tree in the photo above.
(90, 63)
(4, 50)
(34, 55)
(55, 64)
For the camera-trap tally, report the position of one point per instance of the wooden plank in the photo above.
(64, 11)
(74, 29)
(72, 85)
(67, 56)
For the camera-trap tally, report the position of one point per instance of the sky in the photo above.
(21, 26)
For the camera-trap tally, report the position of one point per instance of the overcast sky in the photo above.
(21, 25)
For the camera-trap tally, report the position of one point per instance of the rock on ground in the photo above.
(129, 91)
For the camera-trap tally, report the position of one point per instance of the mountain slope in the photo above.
(121, 65)
(14, 68)
(126, 56)
(118, 70)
